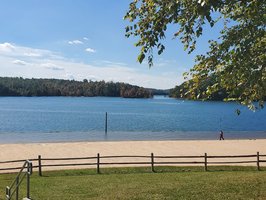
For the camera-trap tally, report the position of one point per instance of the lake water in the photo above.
(51, 119)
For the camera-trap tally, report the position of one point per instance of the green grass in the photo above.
(139, 183)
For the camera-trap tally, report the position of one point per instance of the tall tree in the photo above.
(236, 60)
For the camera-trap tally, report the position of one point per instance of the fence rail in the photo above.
(14, 161)
(152, 161)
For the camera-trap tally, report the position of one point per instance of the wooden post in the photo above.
(106, 123)
(152, 162)
(40, 165)
(28, 179)
(98, 163)
(17, 188)
(8, 193)
(205, 162)
(31, 168)
(258, 161)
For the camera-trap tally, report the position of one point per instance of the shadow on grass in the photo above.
(145, 170)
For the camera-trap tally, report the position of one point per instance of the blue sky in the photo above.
(81, 39)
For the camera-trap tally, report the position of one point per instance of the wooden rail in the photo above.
(152, 160)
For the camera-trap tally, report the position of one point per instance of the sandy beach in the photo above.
(162, 148)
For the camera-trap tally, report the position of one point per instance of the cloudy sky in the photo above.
(81, 39)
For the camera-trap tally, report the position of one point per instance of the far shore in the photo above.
(122, 141)
(124, 136)
(144, 148)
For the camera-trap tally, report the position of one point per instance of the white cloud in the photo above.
(32, 54)
(16, 52)
(49, 64)
(19, 62)
(6, 47)
(111, 63)
(69, 76)
(85, 38)
(73, 42)
(90, 50)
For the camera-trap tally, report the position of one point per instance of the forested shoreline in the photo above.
(58, 87)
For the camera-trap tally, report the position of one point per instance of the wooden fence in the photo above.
(151, 161)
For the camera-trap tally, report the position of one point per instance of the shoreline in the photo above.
(124, 136)
(117, 148)
(110, 141)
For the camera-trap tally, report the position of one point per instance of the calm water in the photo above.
(42, 119)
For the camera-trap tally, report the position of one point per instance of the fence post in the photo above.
(29, 171)
(40, 165)
(258, 161)
(205, 162)
(98, 163)
(152, 162)
(17, 188)
(8, 192)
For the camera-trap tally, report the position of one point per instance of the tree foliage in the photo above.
(57, 87)
(236, 60)
(181, 91)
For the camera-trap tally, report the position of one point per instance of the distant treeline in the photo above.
(57, 87)
(158, 91)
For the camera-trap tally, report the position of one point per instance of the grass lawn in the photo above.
(139, 183)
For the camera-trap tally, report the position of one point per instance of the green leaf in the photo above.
(141, 57)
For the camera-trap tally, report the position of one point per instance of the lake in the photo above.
(52, 119)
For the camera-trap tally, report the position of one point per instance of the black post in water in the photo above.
(106, 123)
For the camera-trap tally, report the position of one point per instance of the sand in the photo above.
(162, 148)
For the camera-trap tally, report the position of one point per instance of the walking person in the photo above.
(221, 135)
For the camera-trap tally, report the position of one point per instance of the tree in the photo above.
(236, 59)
